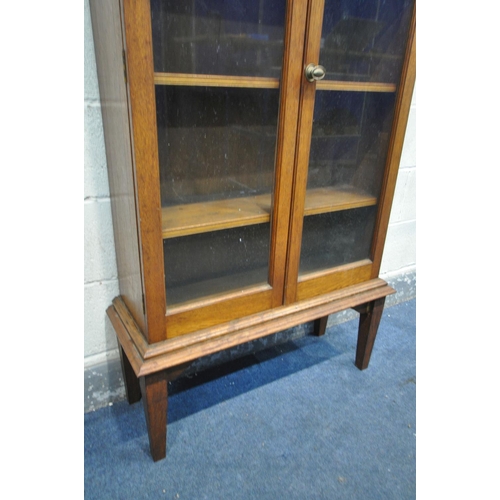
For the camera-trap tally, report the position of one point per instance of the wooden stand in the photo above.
(151, 367)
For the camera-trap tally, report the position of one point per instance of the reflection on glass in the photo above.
(364, 40)
(215, 143)
(347, 159)
(215, 262)
(336, 238)
(349, 140)
(218, 37)
(216, 153)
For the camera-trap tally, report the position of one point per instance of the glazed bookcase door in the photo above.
(217, 66)
(256, 187)
(215, 100)
(348, 120)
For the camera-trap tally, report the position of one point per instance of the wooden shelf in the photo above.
(195, 80)
(331, 199)
(355, 86)
(195, 218)
(260, 82)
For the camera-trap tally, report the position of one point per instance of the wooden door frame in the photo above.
(395, 149)
(303, 144)
(160, 324)
(291, 83)
(356, 272)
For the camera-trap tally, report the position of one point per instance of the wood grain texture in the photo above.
(277, 315)
(236, 336)
(291, 79)
(107, 32)
(226, 308)
(154, 388)
(319, 328)
(126, 340)
(355, 86)
(132, 386)
(402, 109)
(368, 326)
(194, 218)
(130, 325)
(194, 80)
(171, 353)
(303, 144)
(311, 285)
(297, 289)
(332, 199)
(213, 291)
(139, 55)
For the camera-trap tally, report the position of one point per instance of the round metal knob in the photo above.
(315, 72)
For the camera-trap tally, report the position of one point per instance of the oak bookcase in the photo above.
(252, 150)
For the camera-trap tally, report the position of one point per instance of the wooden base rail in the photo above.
(148, 368)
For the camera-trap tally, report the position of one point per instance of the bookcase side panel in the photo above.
(107, 31)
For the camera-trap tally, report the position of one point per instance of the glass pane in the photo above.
(215, 262)
(216, 152)
(349, 140)
(364, 40)
(347, 159)
(336, 238)
(215, 143)
(218, 37)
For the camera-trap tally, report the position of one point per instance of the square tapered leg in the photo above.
(132, 387)
(320, 326)
(154, 390)
(369, 320)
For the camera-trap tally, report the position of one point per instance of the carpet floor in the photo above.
(296, 421)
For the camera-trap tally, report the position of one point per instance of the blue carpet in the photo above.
(296, 421)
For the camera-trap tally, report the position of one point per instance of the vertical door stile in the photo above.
(291, 81)
(403, 104)
(137, 21)
(303, 142)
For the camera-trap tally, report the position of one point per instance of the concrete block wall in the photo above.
(100, 274)
(103, 383)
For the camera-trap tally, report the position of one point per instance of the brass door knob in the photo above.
(315, 72)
